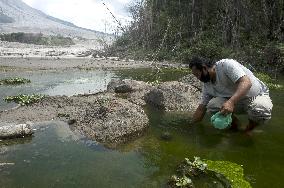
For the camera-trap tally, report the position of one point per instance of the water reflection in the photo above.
(52, 83)
(56, 157)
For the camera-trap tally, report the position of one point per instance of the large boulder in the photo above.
(127, 85)
(112, 120)
(174, 96)
(101, 117)
(192, 80)
(133, 90)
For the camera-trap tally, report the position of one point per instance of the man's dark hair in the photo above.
(199, 62)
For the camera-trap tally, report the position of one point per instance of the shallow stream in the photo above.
(56, 157)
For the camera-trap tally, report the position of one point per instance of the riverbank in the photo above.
(82, 55)
(61, 63)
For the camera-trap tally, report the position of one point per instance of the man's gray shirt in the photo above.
(228, 72)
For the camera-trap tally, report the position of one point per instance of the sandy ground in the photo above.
(84, 55)
(35, 63)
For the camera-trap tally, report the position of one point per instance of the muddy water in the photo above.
(56, 157)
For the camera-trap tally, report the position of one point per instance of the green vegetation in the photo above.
(271, 83)
(228, 174)
(231, 171)
(31, 38)
(14, 81)
(246, 30)
(182, 181)
(197, 163)
(24, 99)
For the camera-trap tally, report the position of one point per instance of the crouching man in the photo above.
(229, 87)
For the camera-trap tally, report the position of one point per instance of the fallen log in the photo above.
(15, 131)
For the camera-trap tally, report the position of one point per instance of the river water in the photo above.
(56, 157)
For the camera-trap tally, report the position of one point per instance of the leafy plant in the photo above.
(14, 81)
(24, 99)
(197, 163)
(271, 83)
(182, 181)
(187, 170)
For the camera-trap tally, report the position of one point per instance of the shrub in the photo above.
(31, 38)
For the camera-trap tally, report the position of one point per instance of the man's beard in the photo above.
(205, 78)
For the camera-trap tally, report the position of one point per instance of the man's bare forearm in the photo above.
(199, 113)
(244, 84)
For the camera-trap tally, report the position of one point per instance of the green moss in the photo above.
(205, 172)
(232, 171)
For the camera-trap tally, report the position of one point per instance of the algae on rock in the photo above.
(232, 171)
(205, 172)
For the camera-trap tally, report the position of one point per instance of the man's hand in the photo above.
(199, 113)
(244, 84)
(227, 107)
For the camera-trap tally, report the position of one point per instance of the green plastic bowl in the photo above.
(220, 121)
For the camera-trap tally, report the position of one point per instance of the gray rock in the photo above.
(167, 136)
(131, 85)
(133, 90)
(71, 121)
(101, 117)
(192, 80)
(123, 88)
(112, 122)
(15, 131)
(137, 97)
(113, 84)
(174, 96)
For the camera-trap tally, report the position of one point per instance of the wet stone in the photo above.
(167, 136)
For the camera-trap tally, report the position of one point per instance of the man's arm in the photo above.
(199, 113)
(243, 86)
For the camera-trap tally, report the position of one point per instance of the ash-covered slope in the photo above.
(16, 16)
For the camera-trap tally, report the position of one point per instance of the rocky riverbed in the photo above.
(110, 117)
(100, 117)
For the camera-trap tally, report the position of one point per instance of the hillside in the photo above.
(16, 16)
